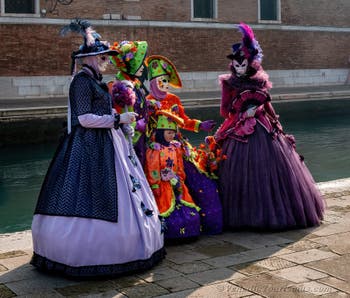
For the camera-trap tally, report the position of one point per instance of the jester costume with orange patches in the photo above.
(165, 173)
(203, 189)
(164, 170)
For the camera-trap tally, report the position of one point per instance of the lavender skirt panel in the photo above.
(264, 184)
(78, 242)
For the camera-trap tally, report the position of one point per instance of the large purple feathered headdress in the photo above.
(249, 48)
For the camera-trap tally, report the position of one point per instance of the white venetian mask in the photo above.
(240, 68)
(102, 61)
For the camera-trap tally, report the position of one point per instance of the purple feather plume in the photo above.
(251, 47)
(248, 34)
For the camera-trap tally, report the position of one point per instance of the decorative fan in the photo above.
(250, 98)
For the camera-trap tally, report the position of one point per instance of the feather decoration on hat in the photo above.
(92, 44)
(251, 47)
(77, 26)
(82, 27)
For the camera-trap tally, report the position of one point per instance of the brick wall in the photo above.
(167, 10)
(39, 50)
(295, 12)
(237, 11)
(35, 49)
(78, 8)
(316, 12)
(302, 49)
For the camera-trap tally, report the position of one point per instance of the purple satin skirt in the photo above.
(265, 185)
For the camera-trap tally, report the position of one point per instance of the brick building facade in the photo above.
(309, 36)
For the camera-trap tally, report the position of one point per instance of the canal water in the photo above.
(321, 129)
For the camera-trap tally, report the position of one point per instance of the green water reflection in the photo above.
(22, 169)
(321, 129)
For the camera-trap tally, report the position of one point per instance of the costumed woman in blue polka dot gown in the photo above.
(96, 214)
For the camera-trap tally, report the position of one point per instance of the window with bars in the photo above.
(204, 9)
(19, 6)
(269, 10)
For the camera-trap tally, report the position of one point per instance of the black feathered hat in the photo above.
(92, 45)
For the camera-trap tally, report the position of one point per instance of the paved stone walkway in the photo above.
(299, 263)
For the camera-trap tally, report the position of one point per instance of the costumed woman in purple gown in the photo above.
(263, 182)
(96, 214)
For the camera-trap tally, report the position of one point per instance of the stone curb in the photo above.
(50, 112)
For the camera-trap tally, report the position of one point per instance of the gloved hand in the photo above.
(128, 130)
(207, 125)
(250, 112)
(128, 117)
(141, 125)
